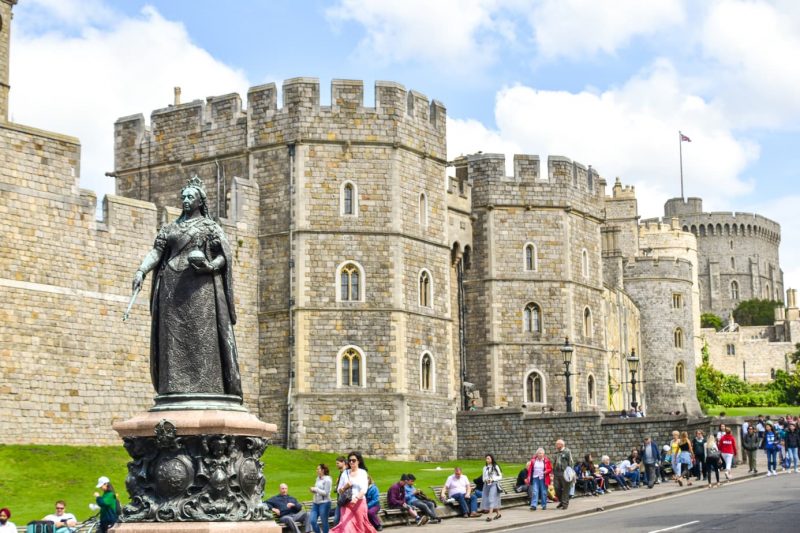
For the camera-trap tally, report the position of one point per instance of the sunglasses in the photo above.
(353, 460)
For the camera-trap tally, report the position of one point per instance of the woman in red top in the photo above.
(539, 470)
(727, 448)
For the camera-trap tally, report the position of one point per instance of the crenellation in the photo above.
(301, 95)
(418, 107)
(390, 98)
(225, 109)
(526, 167)
(347, 95)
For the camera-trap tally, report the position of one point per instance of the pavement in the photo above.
(521, 516)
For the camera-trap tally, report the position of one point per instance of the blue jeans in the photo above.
(792, 454)
(321, 512)
(772, 459)
(467, 506)
(634, 477)
(539, 493)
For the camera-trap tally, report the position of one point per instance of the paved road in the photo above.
(757, 506)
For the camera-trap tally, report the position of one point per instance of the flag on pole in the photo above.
(684, 138)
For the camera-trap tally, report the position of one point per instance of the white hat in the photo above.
(102, 480)
(666, 447)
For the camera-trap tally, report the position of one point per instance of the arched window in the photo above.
(588, 327)
(423, 210)
(534, 388)
(702, 230)
(735, 291)
(350, 282)
(532, 318)
(348, 204)
(426, 372)
(530, 258)
(678, 337)
(733, 263)
(352, 367)
(425, 289)
(585, 263)
(680, 373)
(590, 392)
(767, 295)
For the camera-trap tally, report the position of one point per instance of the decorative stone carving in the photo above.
(214, 477)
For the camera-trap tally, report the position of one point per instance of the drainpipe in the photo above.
(287, 440)
(462, 340)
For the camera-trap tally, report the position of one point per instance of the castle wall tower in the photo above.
(667, 239)
(354, 256)
(6, 7)
(738, 255)
(536, 278)
(667, 356)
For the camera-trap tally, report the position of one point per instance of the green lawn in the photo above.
(32, 478)
(754, 411)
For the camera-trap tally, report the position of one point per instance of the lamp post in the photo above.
(633, 366)
(566, 352)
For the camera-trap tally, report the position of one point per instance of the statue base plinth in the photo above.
(195, 470)
(197, 527)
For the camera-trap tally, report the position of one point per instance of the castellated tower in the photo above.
(655, 284)
(535, 279)
(354, 289)
(738, 255)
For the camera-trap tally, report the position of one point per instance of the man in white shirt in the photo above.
(63, 520)
(458, 488)
(6, 525)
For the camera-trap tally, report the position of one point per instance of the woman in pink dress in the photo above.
(354, 517)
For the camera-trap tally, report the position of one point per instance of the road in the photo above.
(757, 506)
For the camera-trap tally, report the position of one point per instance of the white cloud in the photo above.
(755, 46)
(79, 85)
(631, 132)
(784, 209)
(577, 28)
(459, 34)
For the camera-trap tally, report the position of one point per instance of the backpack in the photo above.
(40, 526)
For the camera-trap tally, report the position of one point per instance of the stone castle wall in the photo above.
(513, 435)
(751, 353)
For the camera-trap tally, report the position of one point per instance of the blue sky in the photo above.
(607, 83)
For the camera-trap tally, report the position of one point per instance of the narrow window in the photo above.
(348, 199)
(350, 283)
(733, 262)
(531, 259)
(351, 368)
(425, 289)
(735, 291)
(587, 323)
(534, 388)
(532, 318)
(585, 263)
(680, 373)
(677, 300)
(678, 337)
(423, 210)
(590, 390)
(731, 349)
(426, 372)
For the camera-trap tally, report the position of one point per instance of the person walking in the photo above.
(650, 458)
(321, 503)
(108, 503)
(491, 489)
(562, 462)
(685, 460)
(727, 446)
(713, 458)
(751, 443)
(699, 449)
(792, 439)
(771, 446)
(353, 518)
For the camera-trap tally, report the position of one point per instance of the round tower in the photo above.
(654, 283)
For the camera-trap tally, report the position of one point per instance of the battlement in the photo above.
(676, 207)
(219, 126)
(660, 225)
(527, 168)
(618, 192)
(658, 267)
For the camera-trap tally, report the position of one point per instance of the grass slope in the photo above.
(32, 477)
(753, 411)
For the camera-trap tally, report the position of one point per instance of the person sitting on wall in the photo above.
(288, 510)
(458, 489)
(396, 499)
(64, 521)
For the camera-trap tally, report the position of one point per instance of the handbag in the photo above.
(344, 497)
(569, 474)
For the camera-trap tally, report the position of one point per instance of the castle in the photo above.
(380, 286)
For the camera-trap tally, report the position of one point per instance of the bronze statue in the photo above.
(192, 346)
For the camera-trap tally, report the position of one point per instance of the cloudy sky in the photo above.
(607, 83)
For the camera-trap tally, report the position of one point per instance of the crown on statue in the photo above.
(197, 183)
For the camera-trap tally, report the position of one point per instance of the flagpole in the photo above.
(680, 153)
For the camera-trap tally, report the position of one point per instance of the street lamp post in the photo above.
(566, 352)
(633, 366)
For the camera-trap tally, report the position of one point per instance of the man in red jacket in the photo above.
(727, 448)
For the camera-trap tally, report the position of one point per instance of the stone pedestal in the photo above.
(195, 470)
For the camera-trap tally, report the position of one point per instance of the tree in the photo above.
(795, 357)
(755, 312)
(710, 320)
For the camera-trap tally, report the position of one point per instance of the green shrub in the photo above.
(710, 320)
